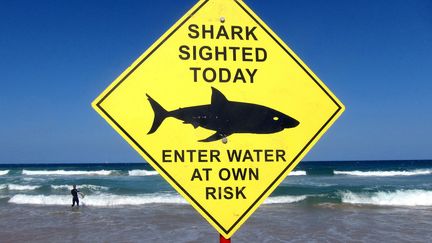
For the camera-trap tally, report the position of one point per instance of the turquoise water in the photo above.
(399, 183)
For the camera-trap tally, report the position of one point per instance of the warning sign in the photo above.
(221, 108)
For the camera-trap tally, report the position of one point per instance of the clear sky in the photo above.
(57, 56)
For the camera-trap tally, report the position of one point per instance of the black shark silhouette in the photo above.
(225, 117)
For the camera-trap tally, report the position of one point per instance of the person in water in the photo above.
(74, 193)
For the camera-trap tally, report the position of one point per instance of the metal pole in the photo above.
(223, 240)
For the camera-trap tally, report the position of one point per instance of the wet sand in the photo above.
(180, 223)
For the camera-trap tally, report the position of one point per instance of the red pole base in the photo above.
(223, 240)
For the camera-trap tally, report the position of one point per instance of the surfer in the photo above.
(74, 193)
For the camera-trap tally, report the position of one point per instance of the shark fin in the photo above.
(214, 137)
(194, 124)
(159, 114)
(217, 97)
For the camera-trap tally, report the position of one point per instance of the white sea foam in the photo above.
(100, 200)
(284, 199)
(4, 172)
(90, 187)
(396, 198)
(61, 187)
(297, 173)
(32, 179)
(385, 173)
(16, 187)
(66, 172)
(142, 172)
(2, 186)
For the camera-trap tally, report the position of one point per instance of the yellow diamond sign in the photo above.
(221, 108)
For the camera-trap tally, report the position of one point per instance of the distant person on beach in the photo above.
(74, 193)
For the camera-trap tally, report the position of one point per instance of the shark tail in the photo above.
(160, 114)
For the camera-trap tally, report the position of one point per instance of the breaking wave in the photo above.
(142, 172)
(2, 186)
(16, 187)
(284, 199)
(66, 172)
(100, 200)
(384, 173)
(111, 200)
(396, 198)
(4, 172)
(297, 173)
(89, 187)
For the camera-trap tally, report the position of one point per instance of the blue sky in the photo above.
(57, 56)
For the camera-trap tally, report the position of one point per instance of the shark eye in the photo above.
(275, 118)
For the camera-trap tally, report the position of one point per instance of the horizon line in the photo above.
(113, 163)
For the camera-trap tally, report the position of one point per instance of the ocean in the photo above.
(363, 201)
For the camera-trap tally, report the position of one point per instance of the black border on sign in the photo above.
(163, 170)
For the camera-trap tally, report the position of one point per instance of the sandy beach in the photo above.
(180, 223)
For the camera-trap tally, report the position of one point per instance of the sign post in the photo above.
(222, 108)
(223, 240)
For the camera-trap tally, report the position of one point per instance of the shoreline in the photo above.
(180, 223)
